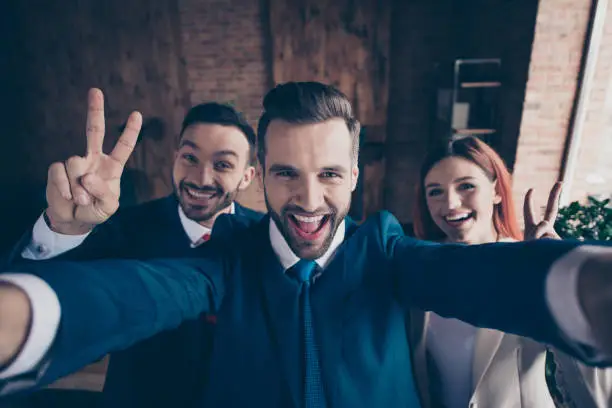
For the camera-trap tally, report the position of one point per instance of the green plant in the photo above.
(591, 221)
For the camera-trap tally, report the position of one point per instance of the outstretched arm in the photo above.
(60, 316)
(507, 286)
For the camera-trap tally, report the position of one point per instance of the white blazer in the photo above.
(509, 372)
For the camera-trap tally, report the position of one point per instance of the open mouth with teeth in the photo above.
(309, 227)
(457, 220)
(198, 195)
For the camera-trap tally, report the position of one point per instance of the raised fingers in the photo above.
(58, 178)
(529, 213)
(95, 122)
(552, 207)
(127, 141)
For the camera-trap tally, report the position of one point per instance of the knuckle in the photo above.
(94, 128)
(54, 166)
(73, 161)
(126, 143)
(75, 167)
(55, 169)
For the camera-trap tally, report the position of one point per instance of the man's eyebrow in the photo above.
(189, 143)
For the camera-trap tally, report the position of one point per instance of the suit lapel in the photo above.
(487, 344)
(281, 314)
(174, 234)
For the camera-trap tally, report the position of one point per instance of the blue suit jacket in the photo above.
(359, 306)
(138, 375)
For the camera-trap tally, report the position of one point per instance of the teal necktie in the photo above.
(304, 272)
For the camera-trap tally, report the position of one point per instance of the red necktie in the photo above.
(200, 241)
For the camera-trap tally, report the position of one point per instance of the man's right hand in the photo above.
(83, 191)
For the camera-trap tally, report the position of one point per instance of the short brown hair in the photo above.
(305, 103)
(221, 114)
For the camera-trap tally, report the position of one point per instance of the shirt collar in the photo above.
(194, 230)
(288, 258)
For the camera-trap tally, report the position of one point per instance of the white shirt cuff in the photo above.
(46, 243)
(562, 294)
(46, 313)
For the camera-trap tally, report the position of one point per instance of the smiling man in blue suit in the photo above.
(213, 163)
(311, 307)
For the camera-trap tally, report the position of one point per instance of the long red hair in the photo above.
(476, 151)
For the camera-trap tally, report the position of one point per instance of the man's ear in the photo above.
(354, 177)
(247, 178)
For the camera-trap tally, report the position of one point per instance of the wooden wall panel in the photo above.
(130, 49)
(343, 42)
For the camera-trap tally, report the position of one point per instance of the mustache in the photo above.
(203, 189)
(292, 208)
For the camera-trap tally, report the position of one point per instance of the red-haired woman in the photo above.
(465, 196)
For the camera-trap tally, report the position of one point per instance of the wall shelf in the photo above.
(474, 131)
(468, 93)
(485, 84)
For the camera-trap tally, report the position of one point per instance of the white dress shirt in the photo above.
(561, 294)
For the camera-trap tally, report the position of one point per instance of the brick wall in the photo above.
(224, 44)
(593, 171)
(555, 61)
